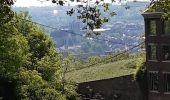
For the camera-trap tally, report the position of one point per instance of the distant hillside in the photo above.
(123, 30)
(111, 70)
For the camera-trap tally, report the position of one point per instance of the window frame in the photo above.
(149, 52)
(151, 82)
(165, 92)
(149, 28)
(164, 29)
(163, 55)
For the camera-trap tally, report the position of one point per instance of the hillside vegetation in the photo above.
(110, 70)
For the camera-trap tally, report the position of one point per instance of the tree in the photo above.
(91, 14)
(12, 53)
(33, 87)
(44, 60)
(163, 5)
(6, 13)
(30, 67)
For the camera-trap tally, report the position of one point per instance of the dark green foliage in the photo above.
(30, 67)
(8, 2)
(161, 5)
(33, 87)
(91, 15)
(42, 54)
(58, 2)
(13, 48)
(141, 76)
(6, 87)
(45, 65)
(6, 13)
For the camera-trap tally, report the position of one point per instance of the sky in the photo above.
(28, 3)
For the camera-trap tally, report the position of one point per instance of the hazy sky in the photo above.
(27, 3)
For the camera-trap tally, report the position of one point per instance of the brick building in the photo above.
(157, 33)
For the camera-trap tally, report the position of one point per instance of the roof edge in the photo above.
(152, 14)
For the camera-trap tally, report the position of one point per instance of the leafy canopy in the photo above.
(30, 67)
(163, 5)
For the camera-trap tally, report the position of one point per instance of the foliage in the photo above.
(90, 14)
(116, 57)
(34, 87)
(141, 75)
(71, 63)
(45, 60)
(8, 2)
(99, 72)
(94, 60)
(102, 68)
(6, 13)
(13, 48)
(140, 64)
(163, 5)
(76, 63)
(29, 63)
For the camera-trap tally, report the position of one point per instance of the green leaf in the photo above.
(113, 13)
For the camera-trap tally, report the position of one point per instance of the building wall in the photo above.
(120, 88)
(159, 65)
(158, 96)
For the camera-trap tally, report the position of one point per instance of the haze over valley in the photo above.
(122, 32)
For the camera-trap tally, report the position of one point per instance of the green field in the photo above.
(111, 70)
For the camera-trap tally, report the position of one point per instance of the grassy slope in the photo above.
(106, 71)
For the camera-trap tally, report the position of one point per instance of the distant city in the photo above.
(124, 30)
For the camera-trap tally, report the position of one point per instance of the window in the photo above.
(166, 53)
(152, 27)
(167, 82)
(167, 27)
(153, 80)
(152, 52)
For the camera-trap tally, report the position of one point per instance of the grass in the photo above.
(111, 70)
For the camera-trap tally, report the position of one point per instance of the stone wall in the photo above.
(120, 88)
